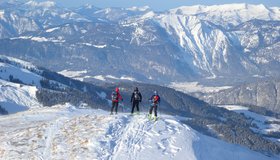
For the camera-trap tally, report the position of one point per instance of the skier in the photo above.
(155, 99)
(116, 97)
(135, 99)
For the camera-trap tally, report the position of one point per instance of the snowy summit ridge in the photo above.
(45, 4)
(229, 13)
(69, 133)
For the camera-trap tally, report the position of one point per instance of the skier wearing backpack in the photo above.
(116, 97)
(136, 98)
(155, 99)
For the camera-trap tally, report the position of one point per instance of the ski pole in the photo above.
(158, 109)
(139, 106)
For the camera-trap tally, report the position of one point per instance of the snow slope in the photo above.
(22, 74)
(15, 97)
(64, 132)
(18, 62)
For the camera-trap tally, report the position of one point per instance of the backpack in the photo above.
(114, 96)
(136, 96)
(155, 99)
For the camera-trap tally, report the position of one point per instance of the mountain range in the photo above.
(239, 41)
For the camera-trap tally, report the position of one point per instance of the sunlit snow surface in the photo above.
(26, 76)
(16, 98)
(64, 132)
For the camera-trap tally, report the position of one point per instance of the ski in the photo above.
(135, 113)
(152, 118)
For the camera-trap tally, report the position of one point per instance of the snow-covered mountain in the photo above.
(111, 14)
(229, 15)
(208, 46)
(69, 133)
(17, 17)
(142, 45)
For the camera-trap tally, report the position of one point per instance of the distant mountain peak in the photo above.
(228, 15)
(223, 7)
(88, 6)
(142, 9)
(2, 12)
(235, 7)
(44, 4)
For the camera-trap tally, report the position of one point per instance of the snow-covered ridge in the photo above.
(224, 7)
(2, 12)
(18, 71)
(15, 97)
(241, 8)
(64, 132)
(18, 62)
(19, 82)
(88, 6)
(229, 13)
(42, 39)
(142, 9)
(24, 75)
(45, 4)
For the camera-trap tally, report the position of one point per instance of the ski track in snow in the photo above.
(52, 130)
(129, 136)
(131, 141)
(69, 133)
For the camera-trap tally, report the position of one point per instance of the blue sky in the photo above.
(160, 5)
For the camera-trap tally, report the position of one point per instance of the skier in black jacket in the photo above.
(136, 98)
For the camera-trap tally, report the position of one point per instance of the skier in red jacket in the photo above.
(155, 99)
(116, 97)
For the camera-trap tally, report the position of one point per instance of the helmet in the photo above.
(117, 89)
(136, 89)
(155, 92)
